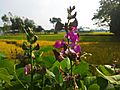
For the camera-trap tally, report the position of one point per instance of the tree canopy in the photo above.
(16, 23)
(58, 25)
(108, 14)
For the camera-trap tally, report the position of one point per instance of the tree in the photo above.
(29, 23)
(39, 28)
(17, 24)
(56, 21)
(6, 25)
(58, 26)
(4, 18)
(109, 14)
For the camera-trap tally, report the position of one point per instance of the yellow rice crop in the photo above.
(11, 49)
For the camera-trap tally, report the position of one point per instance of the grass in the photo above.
(84, 37)
(102, 52)
(104, 48)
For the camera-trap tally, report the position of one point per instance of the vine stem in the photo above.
(68, 47)
(31, 60)
(71, 67)
(17, 77)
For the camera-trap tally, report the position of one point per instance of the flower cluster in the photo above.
(27, 46)
(71, 48)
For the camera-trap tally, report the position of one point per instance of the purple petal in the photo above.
(69, 35)
(62, 43)
(77, 48)
(74, 38)
(27, 69)
(57, 44)
(72, 44)
(73, 28)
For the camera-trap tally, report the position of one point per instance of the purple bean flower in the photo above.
(73, 28)
(27, 69)
(58, 56)
(73, 37)
(77, 48)
(59, 44)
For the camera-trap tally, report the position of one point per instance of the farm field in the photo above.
(104, 47)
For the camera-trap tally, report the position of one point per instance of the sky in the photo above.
(42, 10)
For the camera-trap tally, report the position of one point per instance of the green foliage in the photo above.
(94, 87)
(114, 79)
(56, 64)
(58, 76)
(103, 83)
(2, 56)
(83, 87)
(15, 22)
(89, 80)
(79, 69)
(48, 61)
(4, 75)
(108, 12)
(103, 69)
(8, 65)
(43, 72)
(65, 65)
(50, 74)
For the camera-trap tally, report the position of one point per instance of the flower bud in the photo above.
(24, 46)
(37, 47)
(35, 39)
(66, 27)
(72, 16)
(30, 32)
(58, 56)
(27, 69)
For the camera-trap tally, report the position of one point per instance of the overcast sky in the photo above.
(42, 10)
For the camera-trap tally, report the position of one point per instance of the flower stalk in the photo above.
(31, 65)
(70, 48)
(29, 48)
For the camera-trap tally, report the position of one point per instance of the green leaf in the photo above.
(20, 72)
(58, 75)
(109, 69)
(4, 75)
(48, 61)
(2, 88)
(83, 87)
(56, 64)
(8, 64)
(65, 64)
(103, 69)
(26, 78)
(103, 83)
(110, 87)
(89, 80)
(15, 86)
(2, 56)
(49, 73)
(82, 68)
(115, 79)
(94, 87)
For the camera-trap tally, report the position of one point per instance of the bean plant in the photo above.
(66, 70)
